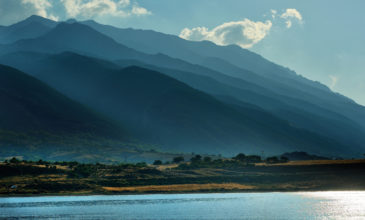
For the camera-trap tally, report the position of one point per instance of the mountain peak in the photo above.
(90, 22)
(36, 18)
(71, 20)
(66, 28)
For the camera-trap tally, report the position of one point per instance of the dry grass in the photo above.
(164, 167)
(181, 187)
(313, 162)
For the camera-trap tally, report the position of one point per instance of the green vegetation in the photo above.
(157, 162)
(178, 159)
(239, 161)
(200, 174)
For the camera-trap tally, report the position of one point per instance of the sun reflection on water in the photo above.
(338, 204)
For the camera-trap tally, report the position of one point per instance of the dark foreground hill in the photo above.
(39, 122)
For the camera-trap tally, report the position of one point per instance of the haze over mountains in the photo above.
(179, 95)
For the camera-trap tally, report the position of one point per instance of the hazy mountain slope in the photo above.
(197, 52)
(73, 37)
(28, 103)
(325, 123)
(163, 110)
(278, 79)
(31, 27)
(229, 58)
(38, 122)
(298, 113)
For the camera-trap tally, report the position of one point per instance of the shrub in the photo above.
(196, 159)
(178, 159)
(240, 157)
(272, 160)
(14, 160)
(157, 162)
(207, 159)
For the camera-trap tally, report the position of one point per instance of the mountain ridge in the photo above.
(272, 89)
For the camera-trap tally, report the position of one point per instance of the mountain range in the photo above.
(180, 95)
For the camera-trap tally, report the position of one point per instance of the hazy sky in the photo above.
(320, 39)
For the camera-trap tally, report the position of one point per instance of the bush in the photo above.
(284, 159)
(178, 159)
(14, 160)
(196, 159)
(253, 159)
(272, 160)
(207, 159)
(240, 157)
(157, 162)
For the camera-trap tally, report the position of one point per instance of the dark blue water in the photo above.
(308, 205)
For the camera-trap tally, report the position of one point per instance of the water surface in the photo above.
(301, 205)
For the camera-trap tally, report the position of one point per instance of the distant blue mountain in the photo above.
(238, 62)
(32, 27)
(230, 96)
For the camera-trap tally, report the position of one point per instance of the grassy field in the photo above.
(72, 178)
(181, 188)
(313, 162)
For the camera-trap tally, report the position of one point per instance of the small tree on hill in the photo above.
(207, 159)
(284, 159)
(272, 160)
(196, 159)
(178, 159)
(157, 162)
(240, 157)
(253, 159)
(14, 160)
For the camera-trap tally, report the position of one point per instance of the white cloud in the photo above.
(273, 13)
(244, 33)
(288, 24)
(291, 14)
(41, 7)
(139, 10)
(95, 8)
(334, 80)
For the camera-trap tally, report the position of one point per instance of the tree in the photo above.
(272, 160)
(196, 159)
(157, 162)
(240, 157)
(253, 159)
(178, 159)
(284, 159)
(14, 160)
(207, 159)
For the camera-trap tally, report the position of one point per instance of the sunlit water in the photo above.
(306, 205)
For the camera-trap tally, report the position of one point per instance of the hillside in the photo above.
(32, 27)
(238, 62)
(162, 110)
(254, 104)
(39, 122)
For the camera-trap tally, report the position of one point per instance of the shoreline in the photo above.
(32, 180)
(176, 192)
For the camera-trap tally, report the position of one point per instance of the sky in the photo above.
(322, 40)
